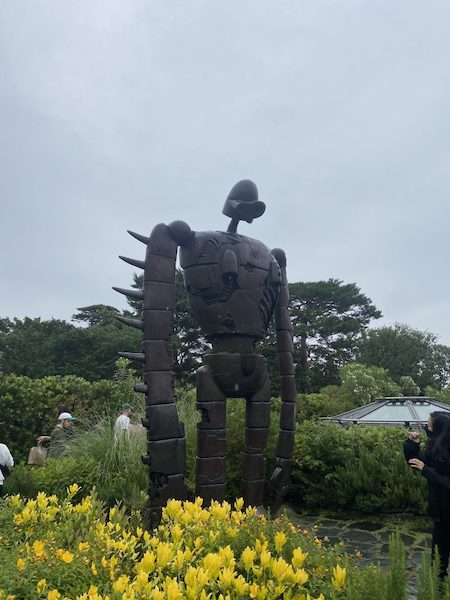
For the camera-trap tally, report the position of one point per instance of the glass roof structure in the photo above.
(405, 410)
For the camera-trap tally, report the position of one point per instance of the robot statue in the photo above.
(235, 285)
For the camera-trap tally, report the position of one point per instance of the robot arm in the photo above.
(279, 481)
(166, 445)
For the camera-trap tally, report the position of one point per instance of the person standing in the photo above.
(434, 465)
(122, 424)
(60, 436)
(6, 463)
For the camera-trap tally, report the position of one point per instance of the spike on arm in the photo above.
(133, 261)
(141, 238)
(137, 294)
(136, 323)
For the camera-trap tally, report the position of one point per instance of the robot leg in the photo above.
(211, 439)
(257, 421)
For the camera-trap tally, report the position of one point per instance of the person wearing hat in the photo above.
(6, 462)
(122, 424)
(61, 434)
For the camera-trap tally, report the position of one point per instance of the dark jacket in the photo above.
(437, 473)
(58, 440)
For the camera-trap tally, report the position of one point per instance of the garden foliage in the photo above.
(360, 467)
(75, 549)
(30, 407)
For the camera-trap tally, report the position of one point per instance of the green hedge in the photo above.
(360, 467)
(30, 407)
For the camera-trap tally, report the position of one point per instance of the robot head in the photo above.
(242, 203)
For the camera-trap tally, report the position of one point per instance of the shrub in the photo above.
(329, 402)
(30, 407)
(359, 467)
(362, 384)
(94, 460)
(76, 549)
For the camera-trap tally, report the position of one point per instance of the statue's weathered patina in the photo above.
(235, 285)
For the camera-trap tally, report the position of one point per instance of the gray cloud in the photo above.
(121, 115)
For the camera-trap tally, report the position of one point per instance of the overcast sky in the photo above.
(119, 115)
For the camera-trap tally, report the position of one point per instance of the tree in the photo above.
(404, 351)
(96, 314)
(408, 386)
(328, 318)
(39, 348)
(362, 384)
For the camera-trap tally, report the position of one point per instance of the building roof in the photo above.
(405, 410)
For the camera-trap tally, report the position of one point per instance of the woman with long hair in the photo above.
(434, 464)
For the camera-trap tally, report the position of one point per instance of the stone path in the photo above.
(370, 536)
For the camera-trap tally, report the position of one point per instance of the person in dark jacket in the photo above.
(61, 435)
(434, 465)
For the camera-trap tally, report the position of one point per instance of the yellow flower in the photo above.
(280, 540)
(198, 542)
(212, 563)
(219, 511)
(141, 583)
(300, 576)
(147, 563)
(42, 500)
(226, 577)
(196, 579)
(157, 594)
(20, 564)
(93, 593)
(83, 546)
(38, 548)
(179, 559)
(265, 558)
(121, 583)
(65, 556)
(15, 500)
(177, 532)
(41, 585)
(94, 569)
(240, 585)
(53, 595)
(72, 490)
(280, 568)
(338, 579)
(147, 537)
(18, 519)
(164, 554)
(248, 557)
(50, 513)
(298, 557)
(239, 503)
(261, 545)
(172, 589)
(84, 506)
(172, 510)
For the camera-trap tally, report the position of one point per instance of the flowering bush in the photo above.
(75, 550)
